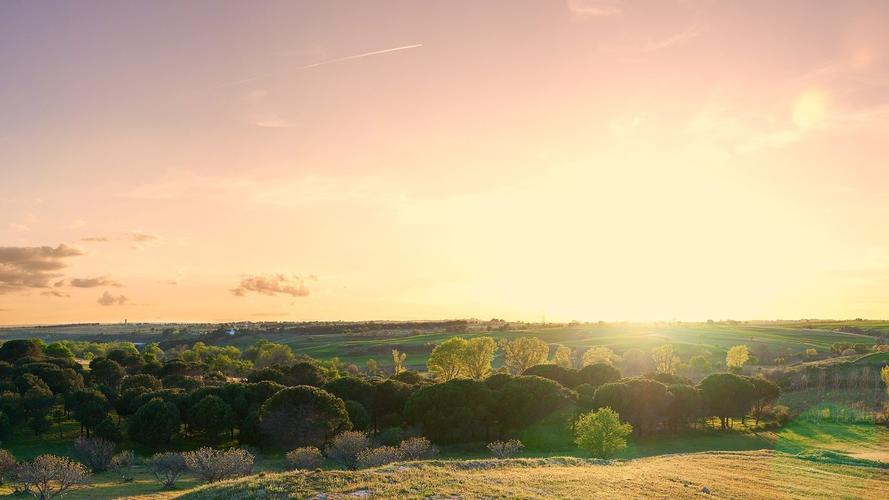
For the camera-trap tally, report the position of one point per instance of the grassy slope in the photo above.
(758, 474)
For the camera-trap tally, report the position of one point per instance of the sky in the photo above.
(578, 160)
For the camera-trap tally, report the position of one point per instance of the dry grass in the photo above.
(760, 474)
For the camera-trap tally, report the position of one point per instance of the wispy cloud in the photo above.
(274, 284)
(21, 228)
(93, 282)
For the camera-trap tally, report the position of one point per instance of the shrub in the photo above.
(7, 464)
(307, 457)
(167, 467)
(601, 432)
(782, 414)
(48, 476)
(505, 449)
(345, 448)
(122, 463)
(95, 452)
(215, 465)
(390, 436)
(416, 448)
(375, 457)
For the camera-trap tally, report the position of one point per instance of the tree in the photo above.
(141, 381)
(563, 357)
(526, 400)
(523, 353)
(13, 351)
(478, 354)
(89, 407)
(358, 415)
(373, 368)
(601, 432)
(95, 452)
(8, 465)
(664, 359)
(456, 411)
(600, 354)
(884, 375)
(155, 423)
(597, 374)
(265, 354)
(167, 468)
(699, 365)
(305, 373)
(736, 357)
(398, 359)
(211, 416)
(566, 376)
(216, 465)
(726, 395)
(447, 359)
(49, 476)
(764, 393)
(106, 372)
(58, 350)
(302, 416)
(685, 405)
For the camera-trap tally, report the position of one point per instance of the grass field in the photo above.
(758, 474)
(686, 339)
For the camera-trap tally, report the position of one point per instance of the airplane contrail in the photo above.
(357, 56)
(330, 61)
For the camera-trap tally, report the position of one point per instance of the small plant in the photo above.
(48, 476)
(95, 452)
(307, 457)
(375, 457)
(167, 468)
(506, 449)
(345, 448)
(215, 465)
(416, 448)
(122, 463)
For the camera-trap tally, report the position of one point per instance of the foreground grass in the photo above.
(760, 474)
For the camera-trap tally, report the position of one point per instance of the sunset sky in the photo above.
(588, 160)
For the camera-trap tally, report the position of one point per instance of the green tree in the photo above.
(736, 357)
(478, 354)
(302, 416)
(727, 396)
(58, 350)
(600, 354)
(523, 353)
(563, 357)
(447, 359)
(664, 359)
(155, 423)
(398, 359)
(211, 416)
(601, 432)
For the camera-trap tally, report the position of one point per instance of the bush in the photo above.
(95, 452)
(390, 436)
(505, 449)
(345, 448)
(416, 448)
(375, 457)
(781, 414)
(307, 457)
(48, 476)
(7, 465)
(167, 467)
(601, 432)
(215, 465)
(122, 463)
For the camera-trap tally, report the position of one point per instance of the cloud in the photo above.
(19, 227)
(93, 282)
(55, 293)
(594, 8)
(22, 268)
(96, 239)
(274, 284)
(140, 237)
(109, 300)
